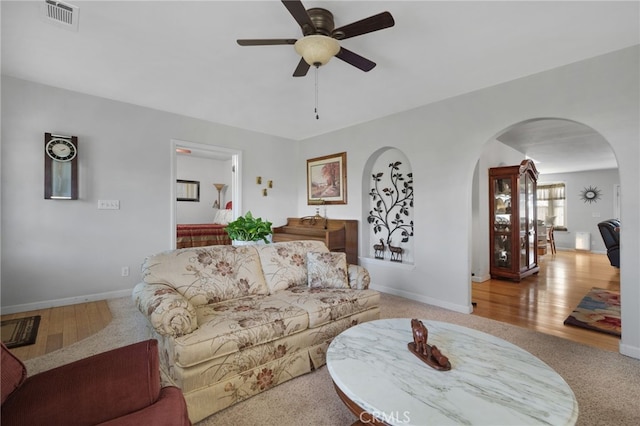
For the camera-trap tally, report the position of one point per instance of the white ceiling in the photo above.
(560, 146)
(182, 56)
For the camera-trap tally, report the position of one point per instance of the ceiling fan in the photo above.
(320, 39)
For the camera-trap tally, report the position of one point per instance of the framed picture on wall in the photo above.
(187, 190)
(327, 179)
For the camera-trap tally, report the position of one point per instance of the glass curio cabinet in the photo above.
(512, 221)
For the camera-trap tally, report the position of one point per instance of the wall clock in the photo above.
(590, 194)
(60, 167)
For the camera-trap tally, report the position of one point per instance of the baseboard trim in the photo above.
(579, 250)
(424, 299)
(631, 351)
(480, 278)
(46, 304)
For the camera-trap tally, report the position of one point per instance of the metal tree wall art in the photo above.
(392, 208)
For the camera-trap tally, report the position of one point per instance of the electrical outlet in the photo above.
(595, 214)
(125, 271)
(108, 204)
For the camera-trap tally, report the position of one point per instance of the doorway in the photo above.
(565, 151)
(215, 154)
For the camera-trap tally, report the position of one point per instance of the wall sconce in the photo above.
(258, 180)
(264, 192)
(269, 184)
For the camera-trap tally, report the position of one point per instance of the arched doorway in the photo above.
(557, 145)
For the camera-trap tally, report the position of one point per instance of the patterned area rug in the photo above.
(20, 331)
(599, 310)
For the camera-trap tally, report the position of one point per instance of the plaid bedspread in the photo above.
(200, 235)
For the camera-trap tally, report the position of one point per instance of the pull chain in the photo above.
(316, 109)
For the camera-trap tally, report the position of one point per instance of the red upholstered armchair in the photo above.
(118, 387)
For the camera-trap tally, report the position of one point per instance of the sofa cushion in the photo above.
(329, 304)
(209, 274)
(327, 270)
(235, 325)
(285, 264)
(12, 373)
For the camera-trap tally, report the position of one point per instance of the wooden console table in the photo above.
(337, 234)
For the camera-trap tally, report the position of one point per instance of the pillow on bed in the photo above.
(223, 217)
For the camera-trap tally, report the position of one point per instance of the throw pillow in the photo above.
(223, 217)
(327, 270)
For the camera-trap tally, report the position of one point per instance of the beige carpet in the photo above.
(606, 384)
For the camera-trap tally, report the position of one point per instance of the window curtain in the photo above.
(551, 192)
(552, 197)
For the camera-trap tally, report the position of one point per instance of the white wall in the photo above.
(59, 251)
(52, 250)
(581, 216)
(444, 141)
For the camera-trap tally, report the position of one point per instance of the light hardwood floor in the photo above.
(63, 326)
(542, 302)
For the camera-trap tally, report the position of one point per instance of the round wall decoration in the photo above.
(590, 194)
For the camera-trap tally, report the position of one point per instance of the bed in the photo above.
(205, 234)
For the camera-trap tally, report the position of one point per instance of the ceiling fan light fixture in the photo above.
(317, 49)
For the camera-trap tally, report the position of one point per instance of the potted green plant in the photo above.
(249, 230)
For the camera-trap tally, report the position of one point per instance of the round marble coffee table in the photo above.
(491, 381)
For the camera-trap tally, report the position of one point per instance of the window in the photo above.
(552, 205)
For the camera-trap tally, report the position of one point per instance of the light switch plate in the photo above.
(108, 204)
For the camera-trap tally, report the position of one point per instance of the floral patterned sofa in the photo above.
(232, 321)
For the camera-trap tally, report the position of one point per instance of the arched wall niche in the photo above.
(378, 164)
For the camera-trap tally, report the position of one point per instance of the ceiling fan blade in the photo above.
(356, 60)
(367, 25)
(299, 13)
(301, 69)
(266, 41)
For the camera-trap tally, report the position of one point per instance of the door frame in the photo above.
(616, 199)
(205, 150)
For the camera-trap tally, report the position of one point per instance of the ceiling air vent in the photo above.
(62, 14)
